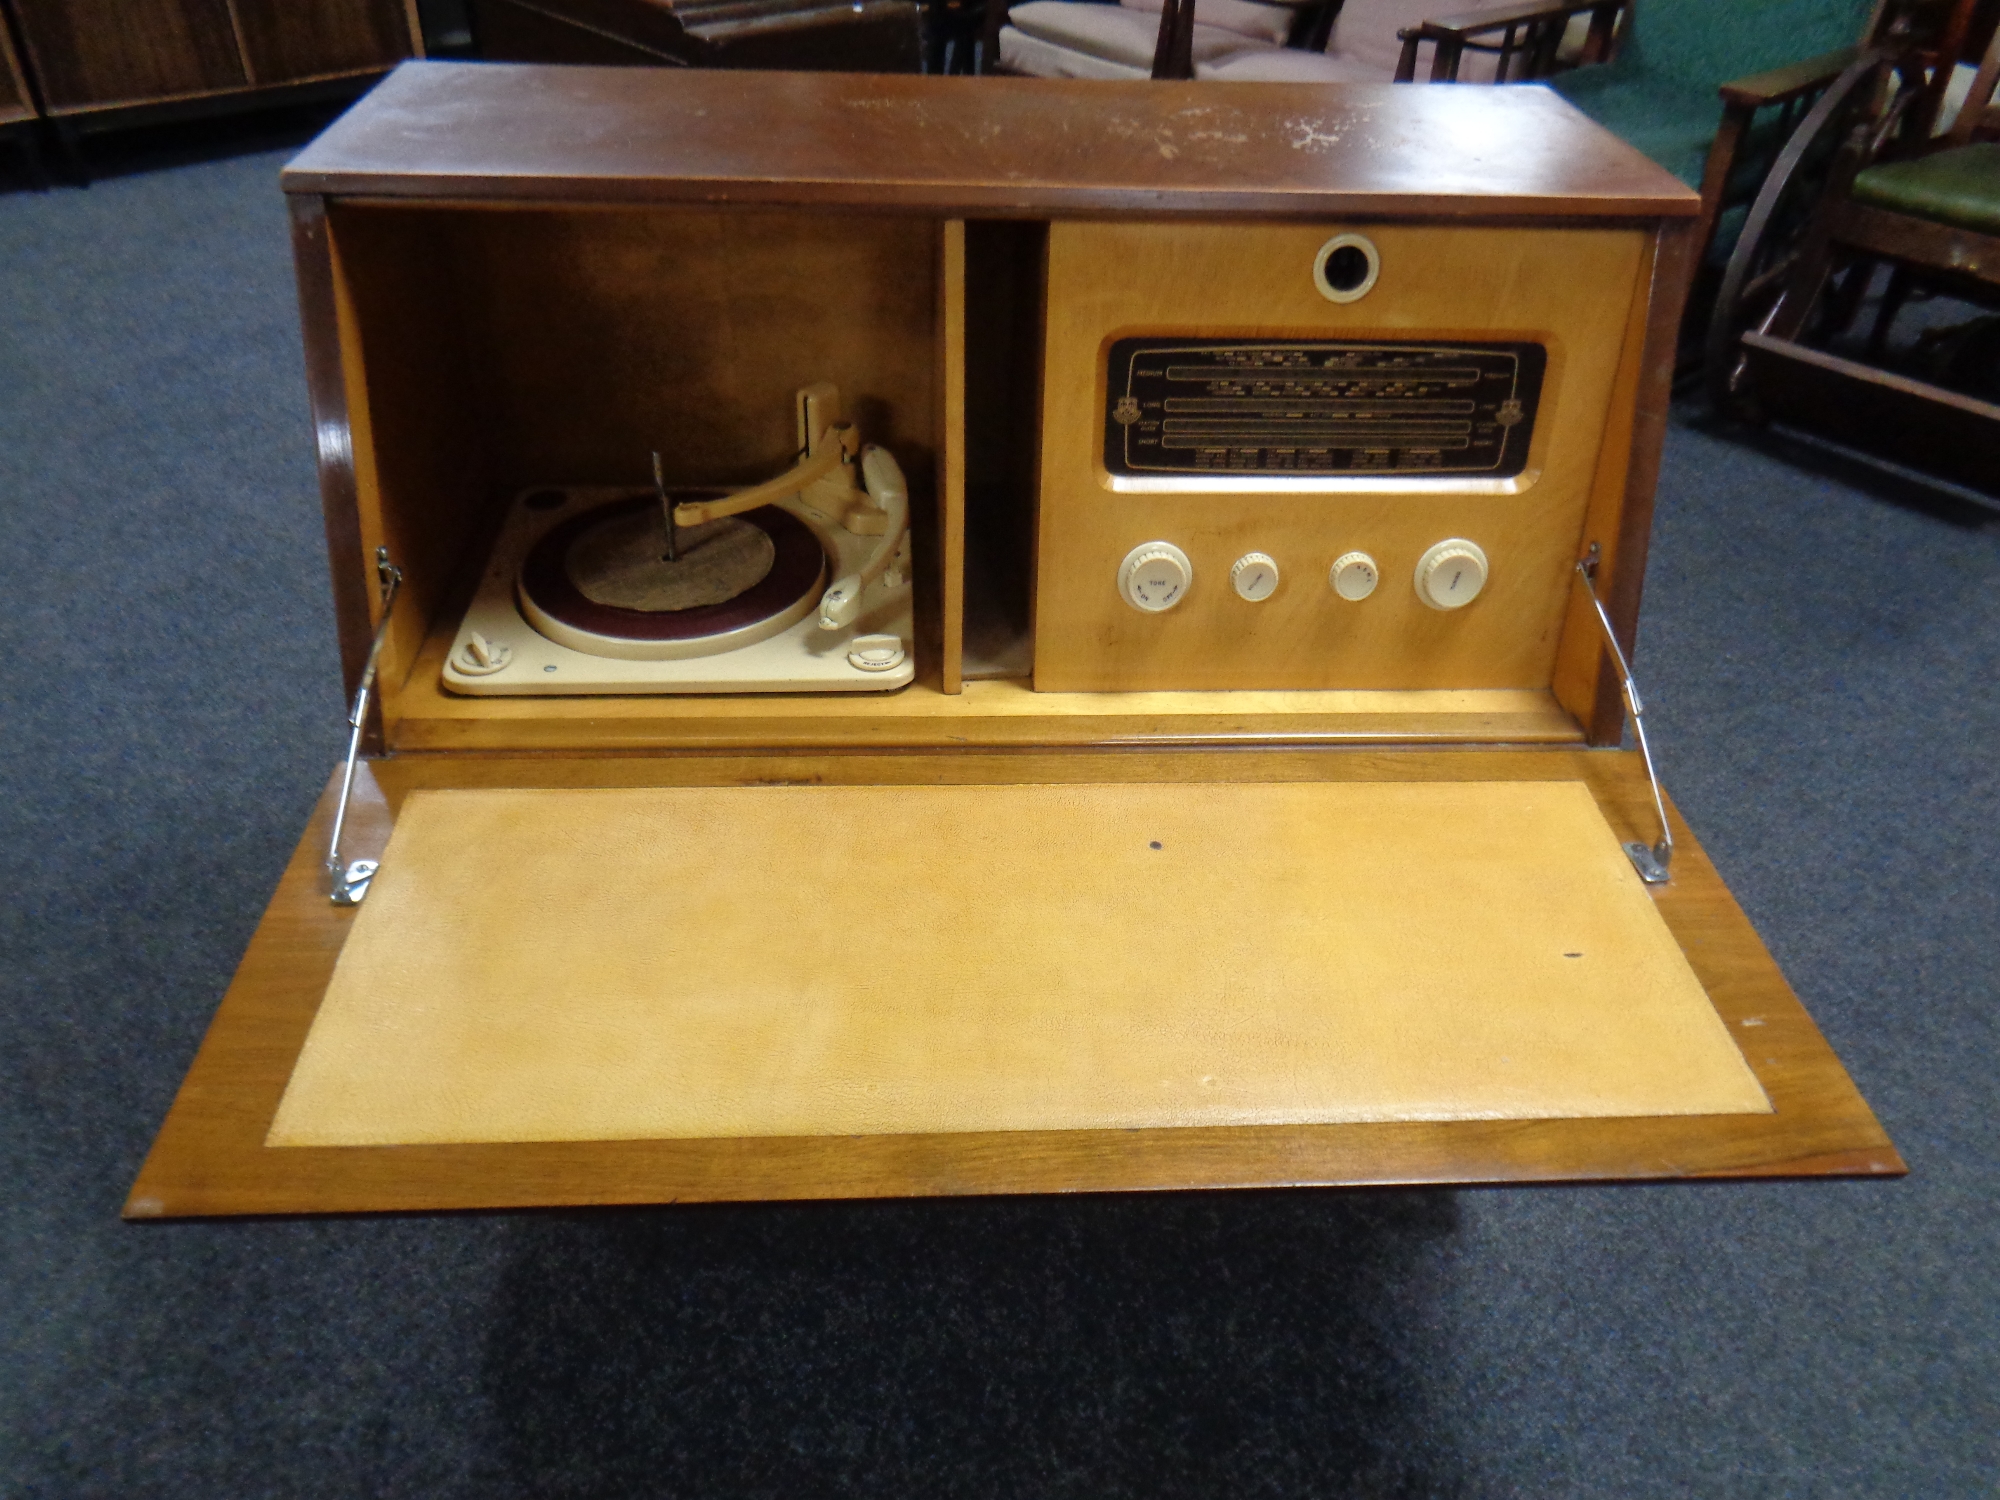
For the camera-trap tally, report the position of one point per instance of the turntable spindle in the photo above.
(666, 509)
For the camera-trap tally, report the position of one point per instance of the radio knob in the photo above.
(1451, 574)
(1354, 576)
(1155, 576)
(1255, 576)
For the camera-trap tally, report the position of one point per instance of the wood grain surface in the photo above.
(1570, 290)
(210, 1156)
(92, 53)
(950, 429)
(16, 102)
(288, 40)
(677, 962)
(1001, 146)
(1001, 712)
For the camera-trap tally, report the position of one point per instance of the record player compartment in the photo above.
(488, 351)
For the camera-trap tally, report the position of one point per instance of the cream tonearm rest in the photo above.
(821, 489)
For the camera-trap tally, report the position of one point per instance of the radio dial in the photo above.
(1451, 574)
(1255, 577)
(1354, 576)
(1155, 576)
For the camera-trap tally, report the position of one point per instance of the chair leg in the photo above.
(1603, 35)
(1406, 65)
(1850, 287)
(1803, 289)
(1901, 283)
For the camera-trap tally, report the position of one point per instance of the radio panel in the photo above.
(1319, 408)
(1277, 484)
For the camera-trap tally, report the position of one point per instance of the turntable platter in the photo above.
(601, 582)
(623, 561)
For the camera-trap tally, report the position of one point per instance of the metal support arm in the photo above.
(350, 881)
(1653, 861)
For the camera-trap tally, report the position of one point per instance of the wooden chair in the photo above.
(1534, 40)
(1663, 65)
(1927, 208)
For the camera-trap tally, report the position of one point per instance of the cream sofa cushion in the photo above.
(1269, 24)
(1112, 32)
(1021, 53)
(1285, 65)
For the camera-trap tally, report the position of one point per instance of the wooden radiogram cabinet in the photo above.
(1216, 842)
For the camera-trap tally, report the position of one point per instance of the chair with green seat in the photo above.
(1932, 214)
(1658, 92)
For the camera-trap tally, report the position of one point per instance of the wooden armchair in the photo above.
(1929, 209)
(1526, 39)
(1653, 72)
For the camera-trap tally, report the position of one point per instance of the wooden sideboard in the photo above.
(86, 64)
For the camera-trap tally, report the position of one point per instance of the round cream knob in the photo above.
(876, 653)
(1255, 576)
(1354, 575)
(1155, 576)
(1451, 574)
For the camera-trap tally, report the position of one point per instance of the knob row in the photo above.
(1156, 576)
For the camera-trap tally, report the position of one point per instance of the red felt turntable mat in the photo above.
(796, 570)
(563, 965)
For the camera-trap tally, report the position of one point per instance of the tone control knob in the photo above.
(1254, 577)
(1354, 576)
(1451, 574)
(1155, 576)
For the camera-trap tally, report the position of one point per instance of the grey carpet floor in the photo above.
(1820, 654)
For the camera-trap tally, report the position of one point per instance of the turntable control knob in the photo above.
(1155, 576)
(1354, 576)
(876, 653)
(1255, 576)
(1451, 574)
(479, 657)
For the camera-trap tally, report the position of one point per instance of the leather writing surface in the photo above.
(812, 960)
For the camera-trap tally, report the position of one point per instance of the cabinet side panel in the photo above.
(419, 415)
(1673, 267)
(319, 317)
(1580, 682)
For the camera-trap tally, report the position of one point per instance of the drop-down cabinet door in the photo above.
(627, 980)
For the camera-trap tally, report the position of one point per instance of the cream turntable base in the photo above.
(800, 584)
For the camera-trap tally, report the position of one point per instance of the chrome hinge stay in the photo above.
(350, 880)
(1654, 862)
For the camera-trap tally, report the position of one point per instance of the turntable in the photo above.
(800, 584)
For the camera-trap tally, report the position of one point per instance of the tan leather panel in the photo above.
(815, 960)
